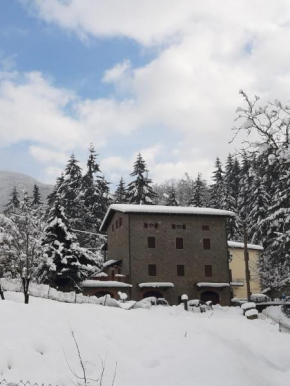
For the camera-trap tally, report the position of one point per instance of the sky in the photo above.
(157, 77)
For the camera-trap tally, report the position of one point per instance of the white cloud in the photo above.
(51, 173)
(47, 155)
(117, 72)
(207, 51)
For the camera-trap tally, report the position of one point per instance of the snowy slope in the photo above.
(10, 179)
(158, 347)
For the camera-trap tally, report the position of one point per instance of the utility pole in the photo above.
(246, 255)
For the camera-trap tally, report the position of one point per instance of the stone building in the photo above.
(165, 252)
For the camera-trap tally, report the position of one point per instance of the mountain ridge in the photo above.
(9, 180)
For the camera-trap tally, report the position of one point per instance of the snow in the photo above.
(235, 244)
(109, 262)
(275, 312)
(251, 312)
(193, 302)
(101, 274)
(104, 284)
(163, 346)
(216, 285)
(248, 306)
(162, 209)
(156, 284)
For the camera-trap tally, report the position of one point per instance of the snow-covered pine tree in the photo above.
(271, 123)
(36, 196)
(140, 190)
(246, 181)
(258, 209)
(57, 191)
(70, 194)
(95, 201)
(120, 196)
(14, 202)
(217, 189)
(65, 264)
(230, 199)
(171, 198)
(199, 195)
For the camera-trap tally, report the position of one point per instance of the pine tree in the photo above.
(66, 264)
(217, 189)
(57, 191)
(14, 202)
(69, 196)
(199, 196)
(121, 193)
(140, 190)
(258, 210)
(171, 198)
(230, 198)
(94, 202)
(36, 196)
(271, 124)
(246, 180)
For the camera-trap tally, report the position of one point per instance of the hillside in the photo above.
(10, 179)
(162, 346)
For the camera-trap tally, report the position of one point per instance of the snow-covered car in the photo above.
(237, 302)
(154, 301)
(260, 298)
(197, 305)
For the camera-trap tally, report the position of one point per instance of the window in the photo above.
(179, 243)
(208, 271)
(206, 243)
(120, 221)
(151, 269)
(151, 242)
(205, 228)
(178, 226)
(180, 270)
(150, 225)
(113, 273)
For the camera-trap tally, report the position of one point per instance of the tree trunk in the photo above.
(25, 283)
(1, 293)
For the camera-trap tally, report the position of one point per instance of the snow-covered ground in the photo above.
(276, 313)
(163, 346)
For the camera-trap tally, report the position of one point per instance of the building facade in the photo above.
(167, 252)
(238, 269)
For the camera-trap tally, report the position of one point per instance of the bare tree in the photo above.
(83, 379)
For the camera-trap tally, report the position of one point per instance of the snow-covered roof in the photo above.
(236, 244)
(104, 284)
(216, 285)
(101, 274)
(156, 285)
(161, 209)
(109, 262)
